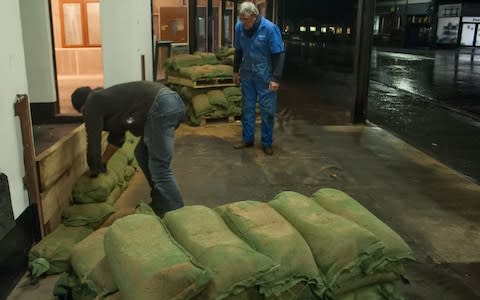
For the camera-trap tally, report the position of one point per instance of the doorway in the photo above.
(77, 48)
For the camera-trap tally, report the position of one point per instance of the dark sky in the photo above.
(325, 11)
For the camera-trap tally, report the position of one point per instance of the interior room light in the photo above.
(313, 28)
(323, 29)
(303, 28)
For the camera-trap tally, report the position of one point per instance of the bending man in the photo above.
(146, 109)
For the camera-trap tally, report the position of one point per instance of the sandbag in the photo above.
(176, 62)
(339, 246)
(232, 91)
(201, 105)
(94, 189)
(89, 215)
(217, 98)
(342, 204)
(373, 292)
(147, 263)
(52, 254)
(266, 231)
(208, 58)
(206, 72)
(234, 264)
(88, 263)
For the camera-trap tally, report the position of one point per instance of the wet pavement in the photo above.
(431, 99)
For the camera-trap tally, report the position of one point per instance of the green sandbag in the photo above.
(117, 164)
(87, 259)
(236, 100)
(188, 93)
(144, 208)
(217, 98)
(69, 287)
(234, 264)
(208, 58)
(229, 60)
(129, 172)
(96, 189)
(373, 292)
(147, 263)
(343, 205)
(206, 72)
(115, 194)
(89, 215)
(201, 105)
(52, 254)
(183, 60)
(224, 52)
(266, 231)
(232, 91)
(339, 246)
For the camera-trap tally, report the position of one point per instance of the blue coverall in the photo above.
(256, 74)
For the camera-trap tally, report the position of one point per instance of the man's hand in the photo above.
(273, 86)
(236, 79)
(93, 174)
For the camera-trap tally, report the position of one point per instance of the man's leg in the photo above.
(248, 112)
(268, 107)
(141, 154)
(165, 116)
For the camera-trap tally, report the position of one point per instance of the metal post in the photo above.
(192, 33)
(363, 49)
(210, 19)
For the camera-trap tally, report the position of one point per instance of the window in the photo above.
(80, 23)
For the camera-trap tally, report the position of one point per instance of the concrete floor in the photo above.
(434, 208)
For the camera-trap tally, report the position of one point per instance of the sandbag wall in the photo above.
(326, 246)
(204, 81)
(93, 200)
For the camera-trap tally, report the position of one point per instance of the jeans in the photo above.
(252, 88)
(154, 151)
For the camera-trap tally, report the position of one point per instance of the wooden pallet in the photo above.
(208, 120)
(203, 83)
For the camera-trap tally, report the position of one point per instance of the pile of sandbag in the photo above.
(327, 246)
(210, 103)
(93, 203)
(200, 66)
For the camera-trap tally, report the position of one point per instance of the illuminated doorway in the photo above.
(77, 45)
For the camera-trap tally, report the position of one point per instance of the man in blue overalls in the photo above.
(259, 60)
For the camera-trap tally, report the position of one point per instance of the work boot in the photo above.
(268, 150)
(243, 145)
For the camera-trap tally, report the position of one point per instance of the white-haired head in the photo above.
(248, 9)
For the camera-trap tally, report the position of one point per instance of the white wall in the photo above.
(37, 41)
(126, 36)
(13, 81)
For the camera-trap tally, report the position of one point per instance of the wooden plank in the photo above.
(203, 83)
(229, 119)
(57, 159)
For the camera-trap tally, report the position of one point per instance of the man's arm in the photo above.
(237, 60)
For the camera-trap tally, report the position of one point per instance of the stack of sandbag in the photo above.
(198, 66)
(90, 276)
(327, 246)
(106, 187)
(351, 246)
(211, 103)
(93, 200)
(236, 267)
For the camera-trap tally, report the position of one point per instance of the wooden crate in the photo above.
(203, 83)
(59, 167)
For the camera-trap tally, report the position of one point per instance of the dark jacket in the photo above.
(116, 109)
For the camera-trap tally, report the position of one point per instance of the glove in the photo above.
(94, 173)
